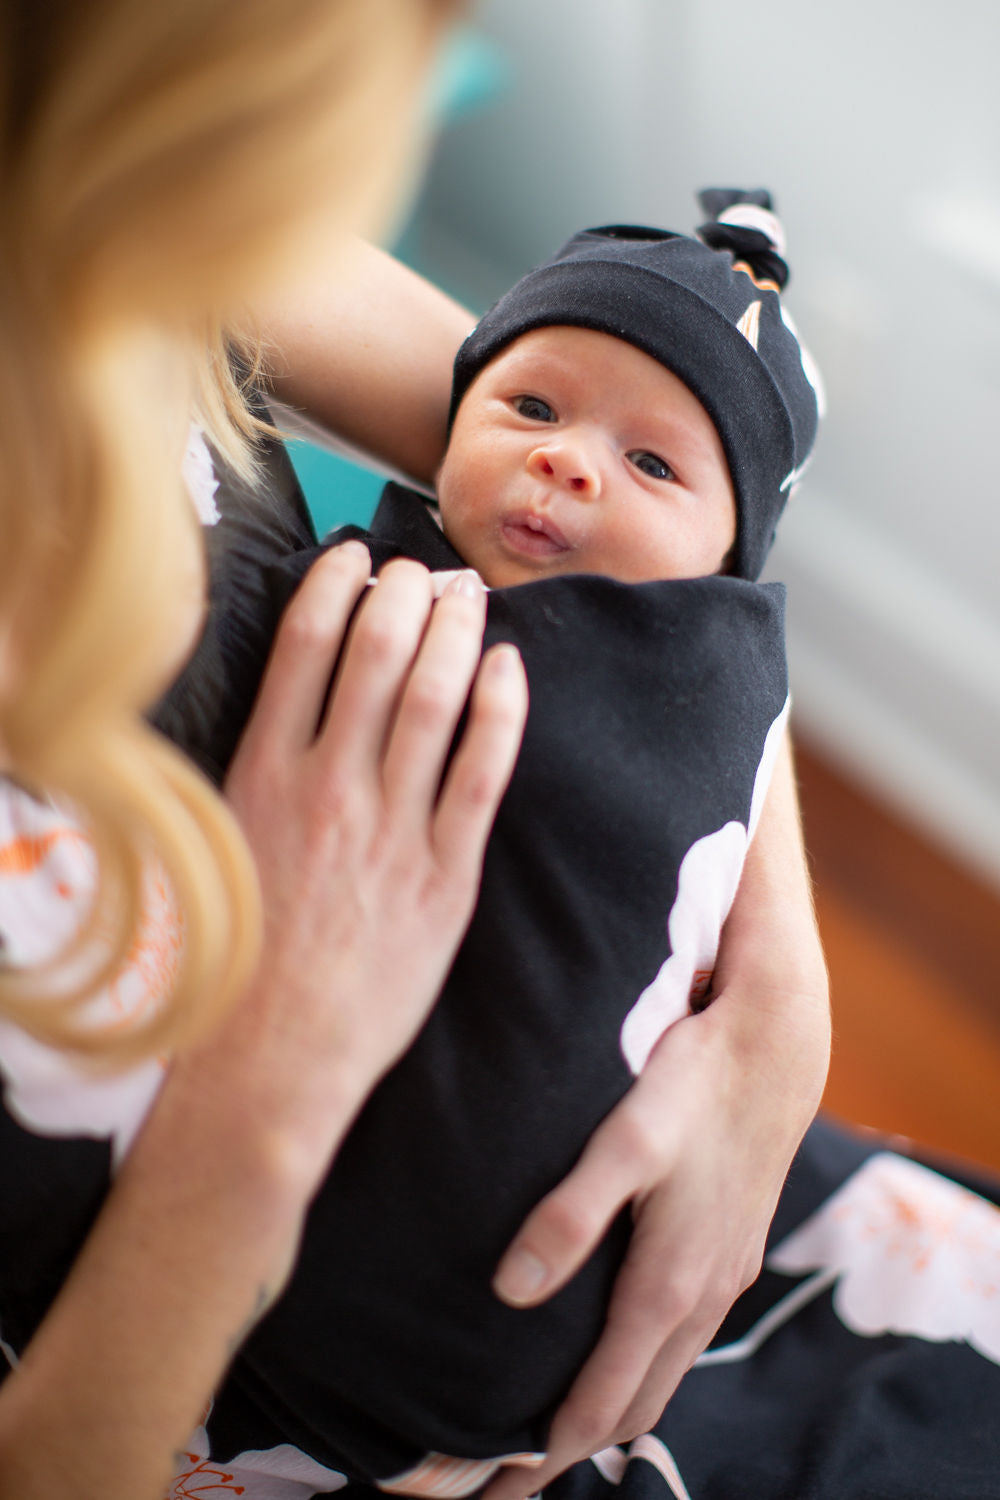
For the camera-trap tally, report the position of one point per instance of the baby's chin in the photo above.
(480, 558)
(501, 567)
(507, 573)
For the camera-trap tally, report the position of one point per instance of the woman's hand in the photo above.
(369, 865)
(700, 1147)
(369, 868)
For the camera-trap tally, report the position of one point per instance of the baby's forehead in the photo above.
(591, 361)
(584, 346)
(588, 357)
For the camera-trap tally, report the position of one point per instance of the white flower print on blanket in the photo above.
(706, 888)
(199, 476)
(283, 1473)
(913, 1253)
(46, 880)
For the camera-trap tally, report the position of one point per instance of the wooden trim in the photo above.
(913, 944)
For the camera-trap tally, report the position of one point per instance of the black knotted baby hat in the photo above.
(710, 310)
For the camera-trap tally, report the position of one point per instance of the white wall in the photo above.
(877, 124)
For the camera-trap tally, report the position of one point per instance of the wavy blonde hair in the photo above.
(154, 162)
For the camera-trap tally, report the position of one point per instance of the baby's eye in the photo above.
(649, 463)
(534, 408)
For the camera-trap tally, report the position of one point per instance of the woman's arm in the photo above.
(366, 350)
(368, 876)
(700, 1147)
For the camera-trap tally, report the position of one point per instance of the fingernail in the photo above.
(353, 548)
(468, 584)
(520, 1278)
(504, 659)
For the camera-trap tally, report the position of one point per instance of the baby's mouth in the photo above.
(533, 535)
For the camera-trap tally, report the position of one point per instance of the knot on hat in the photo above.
(744, 223)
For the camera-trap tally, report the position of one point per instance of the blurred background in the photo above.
(876, 123)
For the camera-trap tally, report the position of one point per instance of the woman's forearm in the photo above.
(771, 969)
(366, 350)
(196, 1238)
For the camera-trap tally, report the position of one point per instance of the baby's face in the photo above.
(574, 452)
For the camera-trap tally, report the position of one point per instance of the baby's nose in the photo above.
(565, 464)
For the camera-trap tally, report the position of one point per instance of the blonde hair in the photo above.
(154, 162)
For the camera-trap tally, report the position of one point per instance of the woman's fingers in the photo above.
(305, 650)
(609, 1403)
(483, 762)
(566, 1227)
(649, 1310)
(650, 1336)
(662, 1379)
(663, 1311)
(403, 679)
(659, 1320)
(381, 647)
(433, 697)
(678, 1148)
(592, 1414)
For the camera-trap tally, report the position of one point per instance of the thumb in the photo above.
(569, 1223)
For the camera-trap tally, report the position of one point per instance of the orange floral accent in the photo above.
(911, 1252)
(154, 954)
(29, 851)
(699, 986)
(763, 282)
(202, 1480)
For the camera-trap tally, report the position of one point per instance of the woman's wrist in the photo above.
(275, 1120)
(196, 1240)
(771, 1004)
(771, 1010)
(773, 1047)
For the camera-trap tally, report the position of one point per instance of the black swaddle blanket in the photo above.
(651, 707)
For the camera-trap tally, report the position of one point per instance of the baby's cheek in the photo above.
(451, 525)
(459, 524)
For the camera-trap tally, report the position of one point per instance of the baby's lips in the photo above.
(541, 524)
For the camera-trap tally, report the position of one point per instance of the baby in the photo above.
(627, 424)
